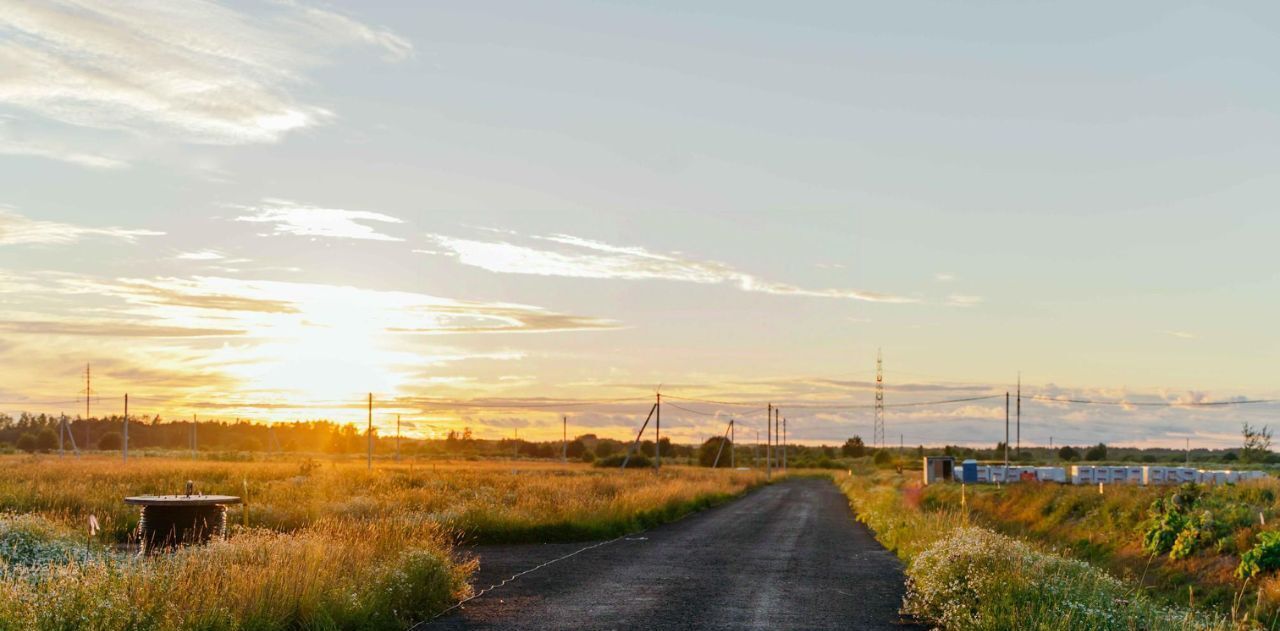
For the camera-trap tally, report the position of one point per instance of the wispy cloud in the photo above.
(962, 300)
(189, 69)
(576, 257)
(107, 328)
(201, 255)
(55, 150)
(313, 221)
(16, 229)
(944, 277)
(265, 308)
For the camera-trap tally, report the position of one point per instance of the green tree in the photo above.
(1096, 453)
(47, 439)
(1068, 453)
(1257, 444)
(110, 441)
(27, 442)
(854, 448)
(707, 452)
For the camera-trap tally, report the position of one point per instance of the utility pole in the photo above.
(564, 439)
(768, 442)
(1019, 415)
(1006, 432)
(784, 444)
(369, 432)
(124, 448)
(878, 431)
(733, 446)
(87, 392)
(657, 432)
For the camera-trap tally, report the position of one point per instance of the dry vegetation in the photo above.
(330, 545)
(963, 576)
(1185, 556)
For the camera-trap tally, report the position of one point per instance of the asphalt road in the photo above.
(787, 556)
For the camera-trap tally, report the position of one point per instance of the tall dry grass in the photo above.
(481, 501)
(330, 545)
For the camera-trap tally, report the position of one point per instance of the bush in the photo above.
(1263, 557)
(882, 458)
(1068, 453)
(715, 446)
(110, 441)
(47, 439)
(27, 442)
(977, 579)
(638, 461)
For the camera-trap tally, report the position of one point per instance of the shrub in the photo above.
(1263, 557)
(976, 579)
(47, 439)
(638, 461)
(882, 458)
(715, 446)
(110, 441)
(27, 442)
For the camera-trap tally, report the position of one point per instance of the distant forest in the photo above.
(39, 433)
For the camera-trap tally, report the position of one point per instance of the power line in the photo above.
(1157, 404)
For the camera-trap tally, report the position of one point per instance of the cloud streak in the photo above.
(16, 229)
(576, 257)
(186, 69)
(289, 218)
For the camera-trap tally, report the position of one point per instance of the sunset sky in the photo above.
(490, 214)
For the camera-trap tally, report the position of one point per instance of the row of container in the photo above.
(938, 469)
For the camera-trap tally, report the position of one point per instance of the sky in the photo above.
(494, 214)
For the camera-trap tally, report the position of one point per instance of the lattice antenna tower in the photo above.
(878, 438)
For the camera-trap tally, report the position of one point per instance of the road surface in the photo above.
(787, 556)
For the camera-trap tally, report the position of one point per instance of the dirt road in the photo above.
(788, 556)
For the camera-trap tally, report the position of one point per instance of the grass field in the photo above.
(962, 575)
(1185, 555)
(329, 544)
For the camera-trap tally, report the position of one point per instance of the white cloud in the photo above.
(16, 229)
(585, 258)
(313, 221)
(201, 255)
(185, 69)
(944, 277)
(961, 300)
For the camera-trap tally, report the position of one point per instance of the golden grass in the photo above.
(330, 544)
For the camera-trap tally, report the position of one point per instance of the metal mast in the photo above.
(878, 437)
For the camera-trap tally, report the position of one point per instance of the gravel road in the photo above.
(787, 556)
